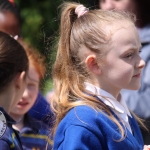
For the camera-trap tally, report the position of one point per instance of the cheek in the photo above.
(126, 6)
(34, 95)
(120, 72)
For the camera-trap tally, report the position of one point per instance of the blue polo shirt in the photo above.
(35, 135)
(9, 138)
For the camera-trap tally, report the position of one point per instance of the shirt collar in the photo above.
(8, 118)
(108, 99)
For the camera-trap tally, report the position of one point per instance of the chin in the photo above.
(134, 88)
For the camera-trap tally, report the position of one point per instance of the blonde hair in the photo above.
(69, 72)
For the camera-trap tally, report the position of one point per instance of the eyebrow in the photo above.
(133, 48)
(33, 79)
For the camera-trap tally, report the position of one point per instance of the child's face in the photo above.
(122, 65)
(30, 93)
(9, 23)
(126, 5)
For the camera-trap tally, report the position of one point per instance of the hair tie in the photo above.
(81, 10)
(15, 37)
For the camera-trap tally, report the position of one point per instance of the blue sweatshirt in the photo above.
(83, 128)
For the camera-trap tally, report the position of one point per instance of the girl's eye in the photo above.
(31, 85)
(129, 55)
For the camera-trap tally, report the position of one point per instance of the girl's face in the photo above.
(30, 94)
(122, 65)
(125, 5)
(9, 23)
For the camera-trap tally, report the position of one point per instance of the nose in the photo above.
(25, 93)
(141, 63)
(107, 5)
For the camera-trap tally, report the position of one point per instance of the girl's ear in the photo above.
(20, 79)
(92, 64)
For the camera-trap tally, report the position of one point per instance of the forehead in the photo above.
(112, 28)
(33, 74)
(119, 24)
(125, 38)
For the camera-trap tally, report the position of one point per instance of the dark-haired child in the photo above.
(13, 70)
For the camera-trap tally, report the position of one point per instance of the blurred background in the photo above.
(40, 21)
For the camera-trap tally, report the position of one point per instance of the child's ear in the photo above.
(20, 78)
(92, 64)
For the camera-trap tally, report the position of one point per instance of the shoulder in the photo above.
(88, 127)
(84, 113)
(85, 117)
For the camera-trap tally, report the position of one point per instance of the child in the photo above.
(98, 55)
(33, 133)
(10, 19)
(10, 23)
(138, 101)
(13, 68)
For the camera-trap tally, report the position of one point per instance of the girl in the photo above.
(13, 68)
(33, 133)
(10, 19)
(137, 101)
(10, 23)
(98, 55)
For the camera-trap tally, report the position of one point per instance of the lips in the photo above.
(23, 103)
(137, 75)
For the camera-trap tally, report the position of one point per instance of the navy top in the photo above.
(35, 135)
(9, 138)
(41, 110)
(84, 128)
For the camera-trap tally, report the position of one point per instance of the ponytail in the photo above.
(65, 76)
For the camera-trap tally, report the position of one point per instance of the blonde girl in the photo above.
(97, 57)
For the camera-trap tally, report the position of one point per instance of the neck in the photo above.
(114, 92)
(16, 117)
(20, 121)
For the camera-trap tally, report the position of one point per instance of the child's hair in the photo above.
(6, 5)
(69, 71)
(35, 58)
(13, 59)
